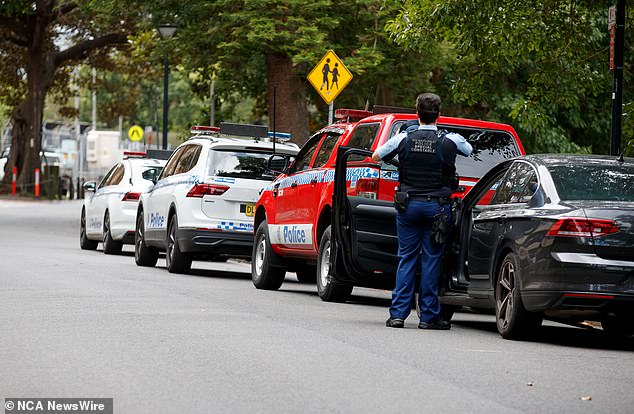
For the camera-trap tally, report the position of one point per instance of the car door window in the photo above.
(514, 188)
(117, 175)
(302, 161)
(106, 178)
(188, 159)
(328, 143)
(171, 164)
(363, 137)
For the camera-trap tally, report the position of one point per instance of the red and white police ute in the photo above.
(202, 205)
(109, 211)
(294, 214)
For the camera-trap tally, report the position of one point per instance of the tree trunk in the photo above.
(291, 114)
(26, 119)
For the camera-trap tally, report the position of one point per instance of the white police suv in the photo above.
(109, 211)
(202, 205)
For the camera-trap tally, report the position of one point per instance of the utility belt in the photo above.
(402, 198)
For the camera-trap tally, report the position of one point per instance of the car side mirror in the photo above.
(90, 186)
(278, 163)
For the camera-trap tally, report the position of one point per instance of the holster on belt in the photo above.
(401, 198)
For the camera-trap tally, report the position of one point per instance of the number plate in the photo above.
(249, 209)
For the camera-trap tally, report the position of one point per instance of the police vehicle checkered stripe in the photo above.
(352, 174)
(231, 226)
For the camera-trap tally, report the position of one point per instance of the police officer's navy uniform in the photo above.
(427, 166)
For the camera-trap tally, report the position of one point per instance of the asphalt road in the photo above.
(83, 324)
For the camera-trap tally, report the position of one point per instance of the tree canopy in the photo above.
(541, 65)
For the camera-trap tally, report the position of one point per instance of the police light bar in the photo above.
(280, 136)
(351, 114)
(133, 154)
(244, 130)
(383, 109)
(204, 130)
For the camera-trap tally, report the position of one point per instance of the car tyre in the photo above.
(328, 290)
(306, 274)
(84, 242)
(176, 261)
(512, 319)
(110, 245)
(144, 255)
(263, 273)
(618, 325)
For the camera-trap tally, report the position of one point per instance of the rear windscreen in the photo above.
(239, 164)
(489, 148)
(594, 182)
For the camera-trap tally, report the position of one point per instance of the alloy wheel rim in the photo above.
(260, 252)
(139, 238)
(106, 227)
(506, 290)
(325, 265)
(170, 246)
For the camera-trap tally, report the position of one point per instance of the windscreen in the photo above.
(239, 164)
(594, 182)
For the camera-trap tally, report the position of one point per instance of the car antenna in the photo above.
(627, 146)
(274, 108)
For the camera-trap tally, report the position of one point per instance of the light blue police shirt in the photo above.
(463, 147)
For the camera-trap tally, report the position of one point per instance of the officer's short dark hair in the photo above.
(428, 107)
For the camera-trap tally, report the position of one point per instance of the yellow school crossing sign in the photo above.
(329, 77)
(135, 133)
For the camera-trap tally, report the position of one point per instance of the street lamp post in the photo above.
(166, 32)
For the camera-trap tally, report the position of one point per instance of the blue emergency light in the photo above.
(280, 136)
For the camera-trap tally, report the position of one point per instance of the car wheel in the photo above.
(327, 290)
(306, 274)
(264, 275)
(177, 261)
(512, 319)
(618, 324)
(144, 255)
(110, 246)
(84, 242)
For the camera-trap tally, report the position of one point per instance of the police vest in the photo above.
(421, 164)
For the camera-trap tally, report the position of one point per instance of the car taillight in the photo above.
(201, 190)
(368, 188)
(130, 196)
(582, 227)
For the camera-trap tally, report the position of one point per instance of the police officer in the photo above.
(427, 175)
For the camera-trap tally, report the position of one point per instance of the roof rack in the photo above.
(349, 114)
(244, 130)
(384, 109)
(159, 154)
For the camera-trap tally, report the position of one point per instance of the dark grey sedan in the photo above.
(538, 236)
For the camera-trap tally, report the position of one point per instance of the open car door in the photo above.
(364, 238)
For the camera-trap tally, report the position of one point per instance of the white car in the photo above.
(202, 205)
(109, 211)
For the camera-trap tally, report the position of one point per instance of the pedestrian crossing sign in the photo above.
(329, 77)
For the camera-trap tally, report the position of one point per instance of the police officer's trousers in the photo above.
(415, 248)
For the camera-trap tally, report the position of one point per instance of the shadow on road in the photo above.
(219, 274)
(568, 336)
